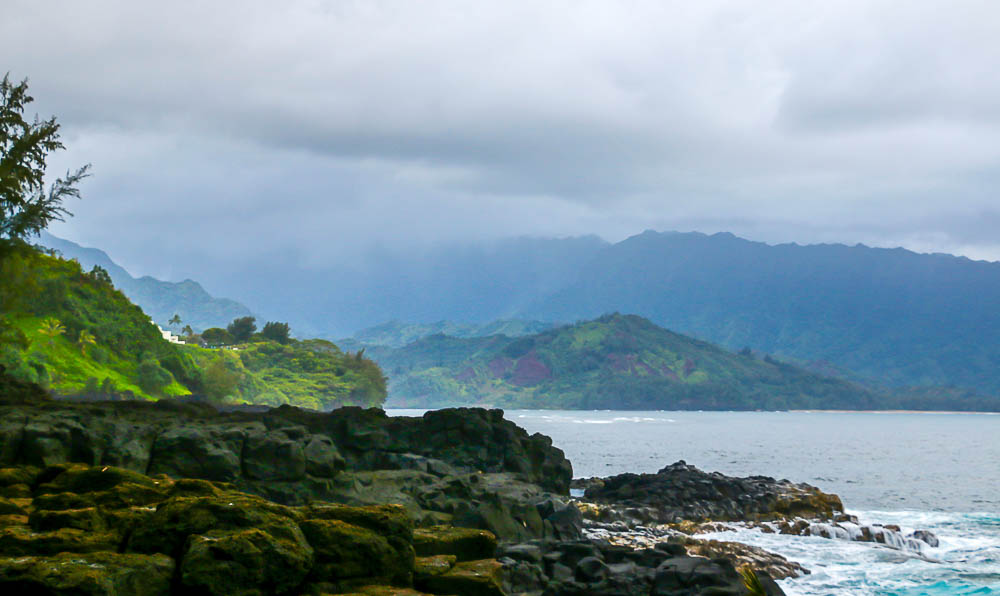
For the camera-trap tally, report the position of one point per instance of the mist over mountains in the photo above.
(888, 316)
(159, 299)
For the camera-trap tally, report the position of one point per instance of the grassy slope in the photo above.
(616, 361)
(312, 373)
(38, 287)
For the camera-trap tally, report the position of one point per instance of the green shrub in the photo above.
(152, 377)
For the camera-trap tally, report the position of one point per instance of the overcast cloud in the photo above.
(319, 129)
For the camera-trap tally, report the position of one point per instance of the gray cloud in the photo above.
(313, 128)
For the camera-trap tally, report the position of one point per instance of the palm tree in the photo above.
(52, 328)
(174, 320)
(85, 340)
(187, 331)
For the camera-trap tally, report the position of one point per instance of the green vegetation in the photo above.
(275, 331)
(242, 329)
(78, 335)
(25, 207)
(73, 333)
(161, 300)
(311, 373)
(616, 361)
(396, 334)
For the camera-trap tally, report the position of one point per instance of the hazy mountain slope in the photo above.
(617, 362)
(476, 283)
(161, 300)
(895, 316)
(396, 334)
(77, 335)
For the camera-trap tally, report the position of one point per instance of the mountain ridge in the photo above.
(160, 299)
(613, 362)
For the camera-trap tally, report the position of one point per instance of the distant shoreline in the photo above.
(813, 411)
(891, 412)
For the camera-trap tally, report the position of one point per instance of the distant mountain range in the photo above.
(887, 317)
(616, 361)
(161, 300)
(396, 334)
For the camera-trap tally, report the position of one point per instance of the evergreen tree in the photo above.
(242, 329)
(26, 208)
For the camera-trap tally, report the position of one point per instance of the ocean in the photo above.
(930, 471)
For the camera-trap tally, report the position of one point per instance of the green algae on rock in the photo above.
(87, 530)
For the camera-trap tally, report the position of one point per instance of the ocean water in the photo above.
(931, 471)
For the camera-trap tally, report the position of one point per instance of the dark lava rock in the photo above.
(585, 567)
(109, 531)
(682, 492)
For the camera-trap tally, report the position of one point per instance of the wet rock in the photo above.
(470, 578)
(88, 574)
(202, 537)
(758, 559)
(209, 452)
(427, 567)
(683, 492)
(465, 543)
(8, 507)
(591, 567)
(167, 530)
(345, 551)
(19, 541)
(274, 455)
(927, 537)
(249, 562)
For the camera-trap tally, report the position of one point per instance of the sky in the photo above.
(322, 130)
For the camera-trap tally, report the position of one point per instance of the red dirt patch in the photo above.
(529, 370)
(499, 366)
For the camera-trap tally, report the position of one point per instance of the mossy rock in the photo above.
(9, 520)
(470, 578)
(425, 567)
(384, 591)
(467, 544)
(247, 562)
(87, 519)
(17, 476)
(15, 491)
(8, 507)
(18, 541)
(194, 487)
(91, 574)
(62, 501)
(345, 551)
(80, 479)
(387, 520)
(167, 530)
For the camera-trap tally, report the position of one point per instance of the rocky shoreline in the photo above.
(480, 498)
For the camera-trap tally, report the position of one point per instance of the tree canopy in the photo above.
(275, 331)
(242, 329)
(26, 208)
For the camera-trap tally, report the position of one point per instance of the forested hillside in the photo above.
(614, 362)
(74, 334)
(161, 300)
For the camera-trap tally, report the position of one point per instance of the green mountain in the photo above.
(891, 316)
(396, 334)
(895, 317)
(75, 334)
(614, 362)
(160, 299)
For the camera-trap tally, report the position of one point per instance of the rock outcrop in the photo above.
(77, 529)
(463, 466)
(589, 567)
(682, 493)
